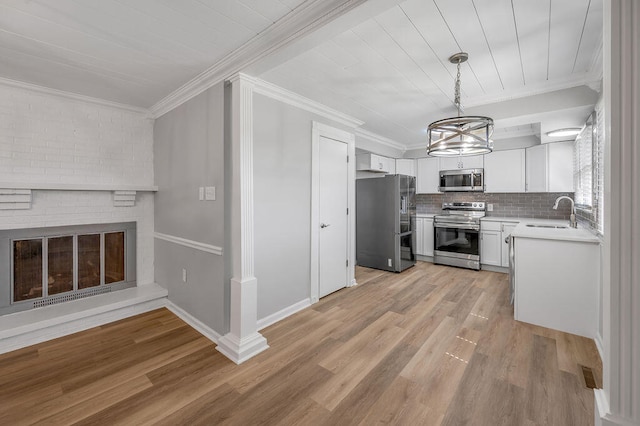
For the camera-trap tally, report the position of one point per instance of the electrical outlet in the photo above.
(210, 193)
(201, 193)
(489, 207)
(184, 275)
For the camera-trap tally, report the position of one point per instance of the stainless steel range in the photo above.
(457, 234)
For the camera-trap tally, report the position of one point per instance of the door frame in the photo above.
(318, 130)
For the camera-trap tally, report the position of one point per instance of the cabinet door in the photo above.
(406, 167)
(560, 167)
(490, 248)
(419, 248)
(504, 171)
(427, 176)
(507, 229)
(428, 234)
(470, 162)
(537, 168)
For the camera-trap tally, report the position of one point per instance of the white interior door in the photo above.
(333, 203)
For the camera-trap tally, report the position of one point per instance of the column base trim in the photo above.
(602, 415)
(239, 350)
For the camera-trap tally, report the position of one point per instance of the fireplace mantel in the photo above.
(76, 187)
(17, 195)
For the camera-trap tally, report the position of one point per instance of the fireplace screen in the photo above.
(27, 269)
(53, 265)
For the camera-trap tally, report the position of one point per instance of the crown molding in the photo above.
(587, 79)
(72, 96)
(303, 20)
(291, 98)
(374, 137)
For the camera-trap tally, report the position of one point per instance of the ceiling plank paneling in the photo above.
(591, 36)
(496, 18)
(567, 20)
(532, 20)
(479, 73)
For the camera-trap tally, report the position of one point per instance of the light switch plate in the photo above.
(210, 193)
(201, 193)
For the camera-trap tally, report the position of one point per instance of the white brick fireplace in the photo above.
(67, 160)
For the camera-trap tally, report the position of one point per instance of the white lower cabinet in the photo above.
(493, 250)
(490, 246)
(424, 236)
(556, 284)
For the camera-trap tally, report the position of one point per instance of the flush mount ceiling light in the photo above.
(461, 135)
(569, 131)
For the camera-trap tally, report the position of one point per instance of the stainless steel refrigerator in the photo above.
(385, 222)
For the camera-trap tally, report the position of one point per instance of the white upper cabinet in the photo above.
(373, 163)
(560, 166)
(427, 176)
(504, 171)
(550, 167)
(467, 162)
(406, 166)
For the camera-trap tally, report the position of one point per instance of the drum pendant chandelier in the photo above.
(461, 135)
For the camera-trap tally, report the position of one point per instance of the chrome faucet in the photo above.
(572, 218)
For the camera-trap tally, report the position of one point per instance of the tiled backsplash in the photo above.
(537, 205)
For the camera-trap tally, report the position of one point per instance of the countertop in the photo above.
(426, 214)
(580, 234)
(503, 219)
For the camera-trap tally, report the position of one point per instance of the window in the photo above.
(583, 167)
(588, 169)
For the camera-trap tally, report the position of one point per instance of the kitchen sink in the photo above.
(536, 225)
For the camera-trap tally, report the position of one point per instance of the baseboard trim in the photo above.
(202, 328)
(492, 268)
(38, 327)
(283, 313)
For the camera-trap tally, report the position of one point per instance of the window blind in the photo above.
(583, 167)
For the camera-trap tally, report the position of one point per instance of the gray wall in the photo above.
(282, 190)
(189, 153)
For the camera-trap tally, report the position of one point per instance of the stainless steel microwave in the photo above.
(462, 180)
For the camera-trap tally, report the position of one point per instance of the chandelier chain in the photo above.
(456, 99)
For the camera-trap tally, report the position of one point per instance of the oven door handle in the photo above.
(457, 226)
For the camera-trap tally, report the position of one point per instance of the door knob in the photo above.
(324, 225)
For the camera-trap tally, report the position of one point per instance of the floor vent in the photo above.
(53, 300)
(589, 379)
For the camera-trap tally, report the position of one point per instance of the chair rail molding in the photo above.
(243, 340)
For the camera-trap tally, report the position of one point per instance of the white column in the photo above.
(243, 340)
(618, 403)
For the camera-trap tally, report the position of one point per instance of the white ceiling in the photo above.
(393, 73)
(134, 52)
(383, 61)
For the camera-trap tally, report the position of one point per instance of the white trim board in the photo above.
(189, 243)
(291, 98)
(302, 21)
(28, 328)
(73, 96)
(195, 323)
(366, 134)
(283, 313)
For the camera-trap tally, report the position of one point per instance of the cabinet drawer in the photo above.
(491, 226)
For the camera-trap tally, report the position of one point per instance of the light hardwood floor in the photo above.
(432, 345)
